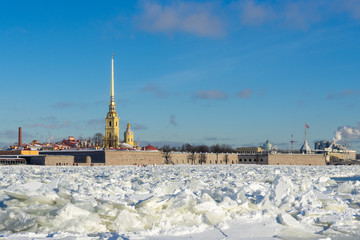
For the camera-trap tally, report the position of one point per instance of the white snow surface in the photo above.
(179, 202)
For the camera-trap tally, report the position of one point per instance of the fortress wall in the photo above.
(211, 158)
(132, 158)
(97, 156)
(149, 158)
(297, 159)
(179, 158)
(253, 159)
(52, 160)
(111, 158)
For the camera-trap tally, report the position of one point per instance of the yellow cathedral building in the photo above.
(111, 138)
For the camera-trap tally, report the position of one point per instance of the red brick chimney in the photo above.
(20, 140)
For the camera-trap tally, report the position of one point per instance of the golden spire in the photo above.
(112, 79)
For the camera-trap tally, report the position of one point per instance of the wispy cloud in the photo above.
(351, 7)
(11, 134)
(343, 94)
(244, 94)
(68, 105)
(200, 19)
(49, 118)
(139, 127)
(17, 30)
(210, 94)
(293, 14)
(214, 139)
(96, 122)
(64, 124)
(255, 13)
(173, 120)
(155, 89)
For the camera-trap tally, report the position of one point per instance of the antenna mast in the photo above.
(292, 143)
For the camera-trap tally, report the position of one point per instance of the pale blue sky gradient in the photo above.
(200, 72)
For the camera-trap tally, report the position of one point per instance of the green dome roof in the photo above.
(267, 146)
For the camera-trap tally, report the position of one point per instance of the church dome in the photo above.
(267, 146)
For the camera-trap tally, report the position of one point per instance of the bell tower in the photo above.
(111, 137)
(129, 135)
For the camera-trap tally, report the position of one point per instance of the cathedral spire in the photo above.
(112, 79)
(111, 137)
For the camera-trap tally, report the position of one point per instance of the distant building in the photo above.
(335, 151)
(151, 148)
(249, 150)
(266, 147)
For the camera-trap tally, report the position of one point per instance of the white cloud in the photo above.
(211, 94)
(245, 93)
(187, 17)
(253, 13)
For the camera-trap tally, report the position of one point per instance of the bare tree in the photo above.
(187, 148)
(226, 158)
(202, 149)
(98, 138)
(226, 148)
(216, 149)
(202, 158)
(166, 154)
(192, 157)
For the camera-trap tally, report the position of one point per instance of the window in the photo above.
(261, 160)
(110, 123)
(109, 134)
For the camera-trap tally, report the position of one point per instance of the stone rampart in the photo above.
(211, 158)
(50, 160)
(113, 157)
(297, 159)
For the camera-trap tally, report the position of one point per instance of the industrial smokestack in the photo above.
(20, 140)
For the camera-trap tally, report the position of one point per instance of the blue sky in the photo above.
(199, 72)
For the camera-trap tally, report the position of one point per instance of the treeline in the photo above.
(217, 148)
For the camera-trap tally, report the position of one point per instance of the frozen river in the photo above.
(172, 202)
